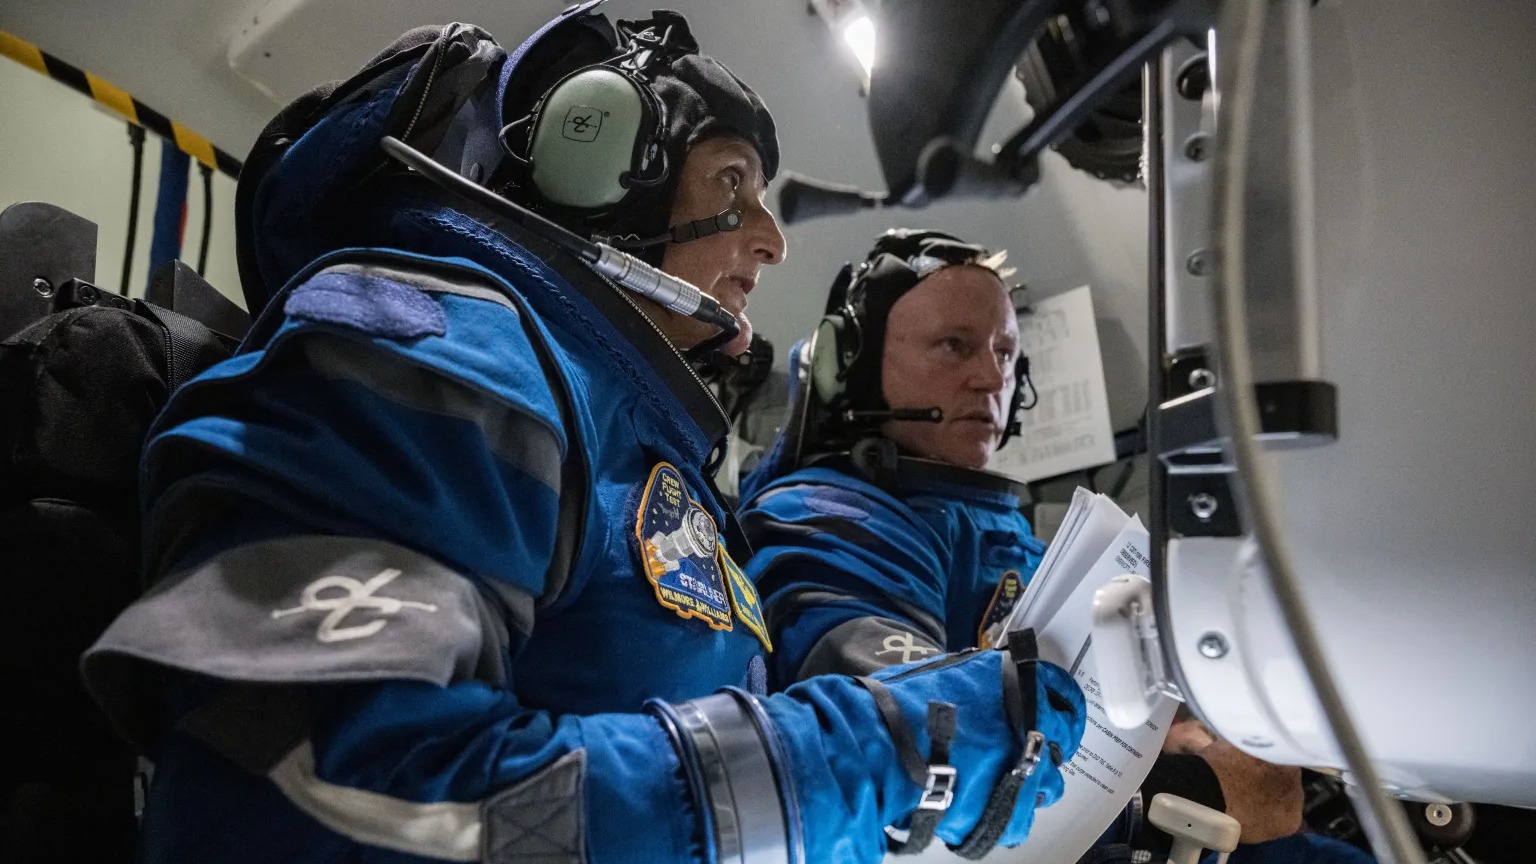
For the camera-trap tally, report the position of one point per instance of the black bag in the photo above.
(80, 384)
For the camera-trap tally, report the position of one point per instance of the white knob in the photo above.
(1195, 827)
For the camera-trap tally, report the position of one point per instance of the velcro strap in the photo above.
(901, 737)
(1023, 651)
(1000, 805)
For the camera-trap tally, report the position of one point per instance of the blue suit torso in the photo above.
(831, 548)
(474, 419)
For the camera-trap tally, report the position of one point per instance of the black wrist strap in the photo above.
(935, 775)
(938, 782)
(1022, 651)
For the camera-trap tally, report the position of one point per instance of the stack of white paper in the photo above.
(1096, 543)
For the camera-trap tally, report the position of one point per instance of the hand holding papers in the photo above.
(1097, 544)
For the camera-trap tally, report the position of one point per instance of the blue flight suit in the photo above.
(448, 467)
(436, 554)
(392, 377)
(855, 578)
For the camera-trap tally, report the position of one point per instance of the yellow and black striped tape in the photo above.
(120, 102)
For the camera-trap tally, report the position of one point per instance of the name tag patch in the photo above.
(681, 551)
(749, 609)
(1009, 588)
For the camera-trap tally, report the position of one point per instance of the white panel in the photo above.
(285, 47)
(1413, 532)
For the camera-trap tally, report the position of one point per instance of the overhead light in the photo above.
(860, 36)
(851, 22)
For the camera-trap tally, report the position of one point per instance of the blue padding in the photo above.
(170, 207)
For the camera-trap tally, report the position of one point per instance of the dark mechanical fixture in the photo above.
(943, 65)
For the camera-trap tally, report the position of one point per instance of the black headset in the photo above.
(845, 352)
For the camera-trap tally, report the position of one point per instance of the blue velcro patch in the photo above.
(838, 502)
(378, 307)
(756, 681)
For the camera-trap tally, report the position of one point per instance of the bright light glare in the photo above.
(860, 36)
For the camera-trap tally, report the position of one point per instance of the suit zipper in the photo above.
(670, 344)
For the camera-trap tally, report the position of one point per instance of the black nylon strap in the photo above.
(1022, 651)
(906, 747)
(941, 731)
(187, 336)
(994, 819)
(186, 342)
(935, 775)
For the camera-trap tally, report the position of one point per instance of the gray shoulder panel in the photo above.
(302, 609)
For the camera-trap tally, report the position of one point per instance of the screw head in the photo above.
(1199, 379)
(1203, 505)
(1213, 646)
(87, 294)
(42, 286)
(1438, 815)
(1197, 147)
(1200, 262)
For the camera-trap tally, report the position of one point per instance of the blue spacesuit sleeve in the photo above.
(350, 528)
(852, 580)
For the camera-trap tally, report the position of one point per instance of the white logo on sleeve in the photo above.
(902, 643)
(356, 595)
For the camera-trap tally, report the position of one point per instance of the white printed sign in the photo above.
(1069, 429)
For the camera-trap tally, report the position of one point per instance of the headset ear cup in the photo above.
(827, 369)
(592, 133)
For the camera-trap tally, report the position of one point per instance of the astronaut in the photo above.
(407, 601)
(879, 538)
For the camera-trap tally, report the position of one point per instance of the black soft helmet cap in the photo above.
(863, 297)
(901, 257)
(701, 99)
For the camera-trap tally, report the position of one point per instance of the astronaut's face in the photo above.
(721, 172)
(951, 342)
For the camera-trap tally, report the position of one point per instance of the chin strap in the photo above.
(728, 219)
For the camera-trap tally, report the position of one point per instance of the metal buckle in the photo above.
(939, 791)
(1034, 742)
